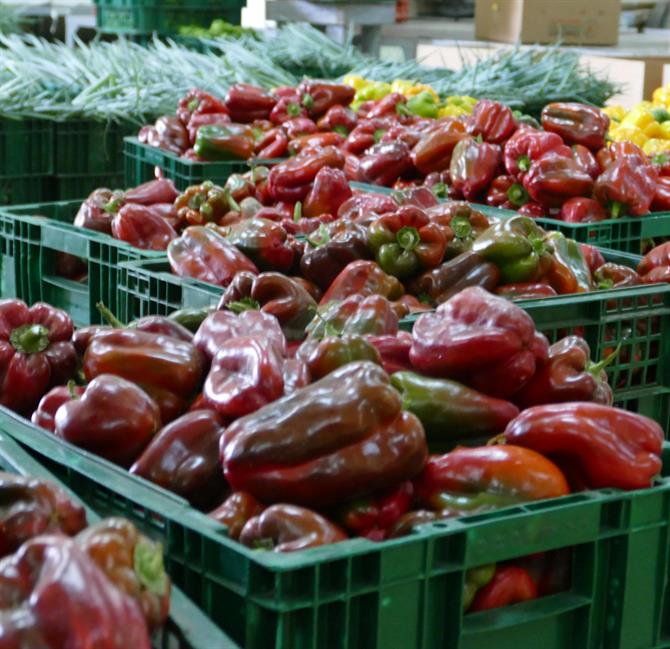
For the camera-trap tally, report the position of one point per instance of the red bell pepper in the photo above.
(586, 160)
(324, 355)
(114, 418)
(491, 120)
(287, 108)
(626, 187)
(528, 145)
(36, 353)
(661, 201)
(658, 257)
(366, 134)
(510, 585)
(287, 528)
(359, 207)
(206, 119)
(384, 163)
(473, 166)
(364, 278)
(141, 227)
(329, 191)
(273, 144)
(576, 123)
(338, 119)
(554, 178)
(526, 291)
(582, 210)
(387, 106)
(472, 480)
(44, 415)
(593, 257)
(597, 446)
(247, 103)
(314, 447)
(393, 350)
(264, 242)
(314, 140)
(202, 253)
(161, 190)
(481, 340)
(505, 192)
(319, 96)
(434, 150)
(534, 210)
(291, 180)
(235, 511)
(298, 126)
(198, 102)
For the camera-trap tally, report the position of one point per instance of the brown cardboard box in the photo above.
(575, 22)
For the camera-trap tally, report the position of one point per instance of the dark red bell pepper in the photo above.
(554, 178)
(360, 206)
(596, 446)
(314, 140)
(235, 511)
(264, 242)
(582, 210)
(393, 350)
(593, 257)
(576, 123)
(98, 210)
(324, 355)
(658, 257)
(586, 160)
(205, 119)
(287, 108)
(510, 585)
(473, 166)
(481, 340)
(661, 201)
(273, 144)
(384, 163)
(202, 253)
(298, 126)
(329, 191)
(626, 188)
(161, 190)
(491, 120)
(505, 192)
(198, 102)
(114, 418)
(534, 210)
(434, 150)
(247, 103)
(314, 447)
(526, 291)
(35, 353)
(141, 227)
(528, 145)
(364, 278)
(318, 96)
(338, 119)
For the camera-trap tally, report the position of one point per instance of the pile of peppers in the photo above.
(66, 584)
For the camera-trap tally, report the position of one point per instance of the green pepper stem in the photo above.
(71, 385)
(408, 238)
(440, 190)
(30, 338)
(148, 565)
(297, 212)
(538, 244)
(379, 134)
(517, 195)
(461, 227)
(307, 101)
(245, 304)
(341, 129)
(595, 368)
(523, 162)
(605, 284)
(232, 203)
(109, 317)
(293, 109)
(616, 210)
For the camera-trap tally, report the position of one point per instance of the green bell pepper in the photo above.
(424, 105)
(225, 142)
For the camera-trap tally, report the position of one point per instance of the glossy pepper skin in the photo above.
(526, 291)
(568, 375)
(292, 179)
(596, 446)
(235, 511)
(338, 119)
(506, 193)
(448, 279)
(202, 253)
(44, 416)
(246, 103)
(576, 123)
(473, 166)
(510, 585)
(141, 227)
(433, 151)
(528, 145)
(463, 220)
(328, 443)
(661, 201)
(98, 210)
(329, 191)
(129, 419)
(586, 160)
(183, 458)
(324, 355)
(626, 187)
(517, 246)
(615, 276)
(554, 178)
(224, 142)
(318, 96)
(375, 517)
(54, 596)
(480, 339)
(406, 242)
(451, 411)
(30, 507)
(593, 257)
(474, 480)
(133, 563)
(36, 352)
(658, 257)
(274, 294)
(364, 278)
(582, 210)
(287, 528)
(264, 242)
(207, 202)
(569, 272)
(385, 162)
(493, 121)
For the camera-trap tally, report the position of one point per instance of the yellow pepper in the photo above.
(402, 86)
(638, 117)
(625, 133)
(661, 96)
(653, 146)
(451, 110)
(615, 113)
(355, 82)
(462, 100)
(653, 130)
(374, 91)
(665, 130)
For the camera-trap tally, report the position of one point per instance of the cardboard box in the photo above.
(574, 22)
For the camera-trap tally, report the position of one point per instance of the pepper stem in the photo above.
(379, 134)
(595, 368)
(440, 190)
(461, 227)
(293, 109)
(232, 203)
(71, 388)
(148, 565)
(523, 162)
(307, 101)
(616, 210)
(517, 195)
(408, 238)
(538, 244)
(245, 304)
(297, 212)
(605, 284)
(109, 317)
(30, 338)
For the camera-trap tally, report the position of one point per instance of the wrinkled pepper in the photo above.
(527, 146)
(434, 149)
(626, 188)
(582, 210)
(247, 103)
(329, 191)
(264, 242)
(364, 278)
(384, 163)
(568, 272)
(576, 123)
(235, 511)
(141, 227)
(491, 120)
(554, 179)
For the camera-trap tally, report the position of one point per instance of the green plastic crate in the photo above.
(405, 593)
(18, 190)
(142, 161)
(26, 147)
(71, 186)
(87, 147)
(142, 17)
(33, 235)
(187, 627)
